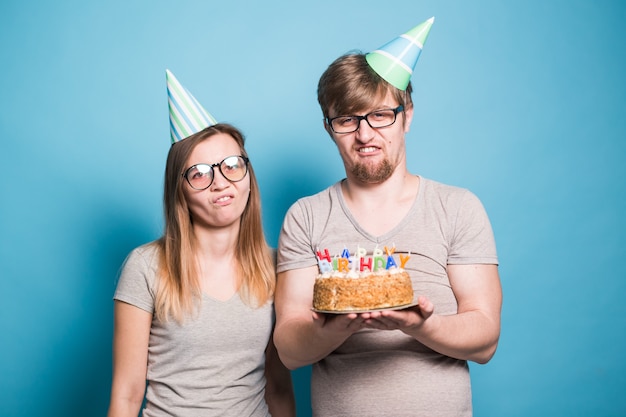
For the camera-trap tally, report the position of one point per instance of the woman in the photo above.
(194, 310)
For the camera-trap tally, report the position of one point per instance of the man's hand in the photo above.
(407, 319)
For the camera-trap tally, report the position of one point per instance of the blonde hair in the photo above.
(178, 288)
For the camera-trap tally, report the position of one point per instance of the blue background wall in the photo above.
(523, 102)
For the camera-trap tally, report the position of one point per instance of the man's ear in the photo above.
(408, 118)
(328, 130)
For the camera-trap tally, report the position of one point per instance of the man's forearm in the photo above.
(469, 336)
(301, 343)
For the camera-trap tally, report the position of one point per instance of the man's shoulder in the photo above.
(432, 186)
(440, 194)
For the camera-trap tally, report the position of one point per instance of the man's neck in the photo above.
(394, 189)
(372, 204)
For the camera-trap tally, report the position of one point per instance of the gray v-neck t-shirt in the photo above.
(212, 364)
(387, 373)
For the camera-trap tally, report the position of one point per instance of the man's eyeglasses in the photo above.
(233, 168)
(376, 119)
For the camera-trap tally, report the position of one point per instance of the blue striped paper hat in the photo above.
(395, 60)
(187, 116)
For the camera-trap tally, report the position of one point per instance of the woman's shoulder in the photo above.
(146, 253)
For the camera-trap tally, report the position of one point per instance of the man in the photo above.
(410, 362)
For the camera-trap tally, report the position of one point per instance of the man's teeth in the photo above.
(367, 150)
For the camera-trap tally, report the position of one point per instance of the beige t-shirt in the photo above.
(380, 373)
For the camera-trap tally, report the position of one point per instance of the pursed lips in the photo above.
(223, 199)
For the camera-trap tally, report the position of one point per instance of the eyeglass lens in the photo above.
(233, 168)
(376, 119)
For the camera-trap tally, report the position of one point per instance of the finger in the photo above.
(350, 321)
(426, 306)
(383, 322)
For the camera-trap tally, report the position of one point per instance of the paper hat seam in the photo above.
(395, 60)
(413, 41)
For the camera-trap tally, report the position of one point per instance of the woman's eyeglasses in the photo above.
(233, 168)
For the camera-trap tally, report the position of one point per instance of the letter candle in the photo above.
(353, 263)
(404, 259)
(342, 265)
(379, 261)
(324, 261)
(325, 266)
(390, 251)
(365, 263)
(325, 255)
(390, 261)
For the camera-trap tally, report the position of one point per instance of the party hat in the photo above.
(187, 116)
(395, 61)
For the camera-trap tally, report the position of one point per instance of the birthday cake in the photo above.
(360, 283)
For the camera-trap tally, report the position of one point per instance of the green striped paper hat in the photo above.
(395, 60)
(187, 116)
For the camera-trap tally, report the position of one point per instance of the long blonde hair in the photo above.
(178, 288)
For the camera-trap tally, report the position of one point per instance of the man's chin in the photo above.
(373, 174)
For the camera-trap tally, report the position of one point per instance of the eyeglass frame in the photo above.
(397, 110)
(245, 159)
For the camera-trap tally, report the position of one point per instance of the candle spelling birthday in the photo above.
(380, 260)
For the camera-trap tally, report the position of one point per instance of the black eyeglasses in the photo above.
(376, 119)
(233, 168)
